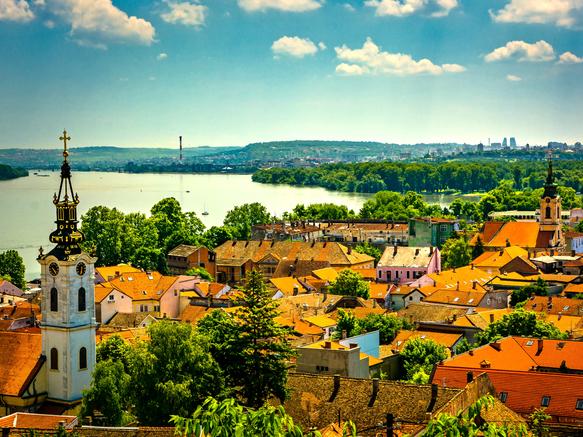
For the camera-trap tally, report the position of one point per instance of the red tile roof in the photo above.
(37, 421)
(525, 390)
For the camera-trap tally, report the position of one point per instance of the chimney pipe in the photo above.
(344, 334)
(539, 346)
(375, 392)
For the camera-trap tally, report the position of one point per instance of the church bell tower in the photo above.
(68, 303)
(550, 208)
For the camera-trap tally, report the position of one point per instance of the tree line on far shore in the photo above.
(451, 176)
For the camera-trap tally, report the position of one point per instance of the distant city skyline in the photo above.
(232, 72)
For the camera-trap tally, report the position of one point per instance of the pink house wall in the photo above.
(434, 266)
(170, 301)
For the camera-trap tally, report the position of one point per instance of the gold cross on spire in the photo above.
(64, 139)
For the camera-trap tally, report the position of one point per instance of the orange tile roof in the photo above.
(403, 290)
(456, 297)
(499, 258)
(299, 326)
(320, 321)
(555, 305)
(287, 284)
(142, 285)
(212, 288)
(328, 274)
(20, 360)
(466, 276)
(378, 290)
(130, 335)
(193, 313)
(107, 272)
(573, 288)
(523, 234)
(36, 421)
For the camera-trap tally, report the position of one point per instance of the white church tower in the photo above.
(68, 304)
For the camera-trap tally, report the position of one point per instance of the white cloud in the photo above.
(294, 46)
(162, 56)
(351, 69)
(15, 10)
(569, 58)
(513, 78)
(281, 5)
(540, 51)
(401, 8)
(349, 7)
(49, 24)
(321, 45)
(189, 14)
(96, 23)
(371, 60)
(564, 13)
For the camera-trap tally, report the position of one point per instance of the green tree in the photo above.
(370, 250)
(115, 349)
(456, 252)
(579, 227)
(469, 423)
(347, 322)
(421, 354)
(150, 258)
(217, 235)
(350, 283)
(520, 323)
(201, 272)
(12, 265)
(538, 420)
(172, 373)
(242, 218)
(265, 349)
(538, 288)
(227, 418)
(108, 393)
(478, 248)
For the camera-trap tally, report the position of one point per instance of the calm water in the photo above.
(28, 213)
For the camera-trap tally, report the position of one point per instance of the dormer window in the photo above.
(545, 401)
(503, 396)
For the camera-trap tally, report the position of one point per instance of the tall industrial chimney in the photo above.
(180, 138)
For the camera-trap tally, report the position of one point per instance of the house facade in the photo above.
(430, 231)
(402, 265)
(184, 257)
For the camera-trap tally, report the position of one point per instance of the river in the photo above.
(28, 213)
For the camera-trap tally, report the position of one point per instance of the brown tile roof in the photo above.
(128, 320)
(142, 285)
(445, 339)
(378, 290)
(415, 257)
(239, 252)
(20, 361)
(193, 313)
(573, 288)
(422, 312)
(395, 227)
(183, 250)
(314, 402)
(299, 326)
(19, 310)
(37, 421)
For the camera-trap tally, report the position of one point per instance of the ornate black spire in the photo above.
(66, 236)
(550, 185)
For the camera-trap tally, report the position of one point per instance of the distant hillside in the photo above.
(8, 172)
(104, 158)
(300, 153)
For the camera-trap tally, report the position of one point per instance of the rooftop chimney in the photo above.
(395, 249)
(474, 285)
(491, 318)
(344, 334)
(296, 290)
(539, 346)
(327, 345)
(349, 250)
(496, 345)
(375, 391)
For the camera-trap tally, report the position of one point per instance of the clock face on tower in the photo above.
(54, 269)
(81, 268)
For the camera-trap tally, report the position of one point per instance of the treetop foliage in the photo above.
(350, 283)
(12, 268)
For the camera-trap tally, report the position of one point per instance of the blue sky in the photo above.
(229, 72)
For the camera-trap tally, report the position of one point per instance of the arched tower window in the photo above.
(548, 212)
(54, 298)
(54, 359)
(82, 358)
(81, 299)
